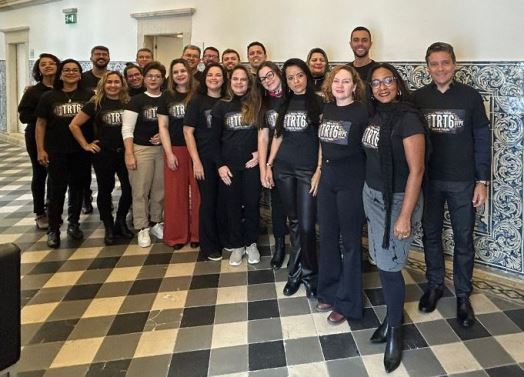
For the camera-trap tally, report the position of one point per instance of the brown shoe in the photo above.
(335, 318)
(323, 307)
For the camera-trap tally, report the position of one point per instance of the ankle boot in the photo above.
(109, 237)
(122, 229)
(393, 352)
(380, 334)
(279, 254)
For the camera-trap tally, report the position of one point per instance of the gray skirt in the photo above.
(394, 258)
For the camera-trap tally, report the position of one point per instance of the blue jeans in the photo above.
(458, 195)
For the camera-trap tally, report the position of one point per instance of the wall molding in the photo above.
(7, 5)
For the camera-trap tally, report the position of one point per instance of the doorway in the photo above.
(17, 74)
(165, 47)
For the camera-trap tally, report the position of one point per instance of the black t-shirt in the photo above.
(89, 81)
(198, 116)
(172, 105)
(363, 71)
(107, 122)
(28, 103)
(299, 147)
(147, 122)
(134, 91)
(341, 131)
(459, 130)
(58, 109)
(238, 140)
(409, 124)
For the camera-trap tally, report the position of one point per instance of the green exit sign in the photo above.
(70, 18)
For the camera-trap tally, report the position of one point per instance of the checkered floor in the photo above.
(93, 310)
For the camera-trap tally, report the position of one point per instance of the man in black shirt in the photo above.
(459, 172)
(360, 42)
(230, 59)
(191, 54)
(256, 54)
(100, 60)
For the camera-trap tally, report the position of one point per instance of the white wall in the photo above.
(481, 30)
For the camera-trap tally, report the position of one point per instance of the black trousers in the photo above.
(294, 185)
(458, 196)
(341, 214)
(241, 200)
(278, 214)
(208, 220)
(66, 170)
(107, 163)
(38, 180)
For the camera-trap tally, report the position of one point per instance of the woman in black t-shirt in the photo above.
(200, 140)
(106, 108)
(67, 163)
(181, 205)
(235, 120)
(295, 153)
(394, 144)
(144, 156)
(273, 84)
(340, 209)
(44, 71)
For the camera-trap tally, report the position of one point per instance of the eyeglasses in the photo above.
(387, 81)
(269, 76)
(70, 70)
(154, 77)
(299, 76)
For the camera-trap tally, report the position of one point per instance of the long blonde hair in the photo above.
(251, 102)
(100, 89)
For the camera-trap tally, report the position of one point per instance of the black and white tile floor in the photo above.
(93, 310)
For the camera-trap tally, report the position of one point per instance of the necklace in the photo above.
(69, 98)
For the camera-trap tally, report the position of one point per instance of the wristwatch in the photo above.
(485, 183)
(269, 165)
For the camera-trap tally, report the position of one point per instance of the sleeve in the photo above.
(89, 109)
(411, 125)
(129, 119)
(162, 104)
(191, 115)
(481, 139)
(27, 106)
(42, 109)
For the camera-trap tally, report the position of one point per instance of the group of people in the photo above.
(335, 147)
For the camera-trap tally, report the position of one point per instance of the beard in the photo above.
(101, 64)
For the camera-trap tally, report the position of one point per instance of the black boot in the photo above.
(53, 239)
(74, 231)
(380, 334)
(122, 229)
(109, 237)
(393, 352)
(279, 254)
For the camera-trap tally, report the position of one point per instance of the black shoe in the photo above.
(311, 292)
(393, 352)
(73, 231)
(109, 237)
(53, 239)
(87, 207)
(215, 256)
(380, 334)
(465, 313)
(428, 301)
(279, 254)
(121, 228)
(178, 246)
(291, 287)
(194, 245)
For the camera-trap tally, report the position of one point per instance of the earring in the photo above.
(399, 93)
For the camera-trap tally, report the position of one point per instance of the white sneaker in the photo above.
(158, 231)
(143, 238)
(236, 256)
(253, 255)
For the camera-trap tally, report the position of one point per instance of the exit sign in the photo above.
(70, 18)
